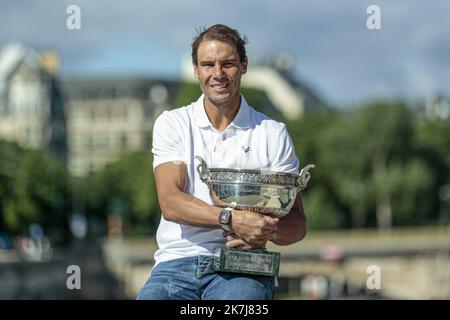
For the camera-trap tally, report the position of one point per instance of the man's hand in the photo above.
(233, 241)
(251, 229)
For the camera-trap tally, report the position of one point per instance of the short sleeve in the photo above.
(167, 143)
(284, 158)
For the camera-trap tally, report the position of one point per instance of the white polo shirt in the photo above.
(251, 141)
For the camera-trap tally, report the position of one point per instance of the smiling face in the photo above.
(219, 71)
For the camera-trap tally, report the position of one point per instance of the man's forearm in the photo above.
(291, 228)
(183, 208)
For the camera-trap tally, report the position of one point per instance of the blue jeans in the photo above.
(194, 278)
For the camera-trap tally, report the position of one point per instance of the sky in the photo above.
(334, 51)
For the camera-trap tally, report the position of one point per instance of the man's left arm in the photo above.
(292, 227)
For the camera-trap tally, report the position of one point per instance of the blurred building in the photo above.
(107, 117)
(31, 101)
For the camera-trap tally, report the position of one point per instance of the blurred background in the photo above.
(80, 90)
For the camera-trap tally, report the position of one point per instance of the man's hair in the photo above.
(223, 33)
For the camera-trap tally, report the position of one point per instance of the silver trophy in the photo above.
(266, 192)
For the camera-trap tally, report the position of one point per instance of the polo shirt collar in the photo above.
(241, 119)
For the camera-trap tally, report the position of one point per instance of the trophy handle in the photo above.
(202, 170)
(302, 180)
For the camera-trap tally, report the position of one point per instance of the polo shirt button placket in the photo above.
(221, 151)
(215, 141)
(217, 145)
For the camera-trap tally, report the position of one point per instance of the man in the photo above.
(225, 131)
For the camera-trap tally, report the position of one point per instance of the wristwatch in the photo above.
(225, 218)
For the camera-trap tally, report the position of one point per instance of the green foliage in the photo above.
(34, 188)
(412, 186)
(433, 140)
(188, 93)
(373, 166)
(127, 188)
(321, 212)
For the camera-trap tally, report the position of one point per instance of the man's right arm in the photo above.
(180, 207)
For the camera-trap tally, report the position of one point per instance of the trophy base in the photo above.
(255, 262)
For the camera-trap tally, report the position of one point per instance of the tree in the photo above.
(34, 189)
(370, 170)
(322, 204)
(433, 143)
(126, 186)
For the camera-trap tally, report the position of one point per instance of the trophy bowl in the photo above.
(266, 192)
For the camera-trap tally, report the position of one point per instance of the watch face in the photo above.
(224, 217)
